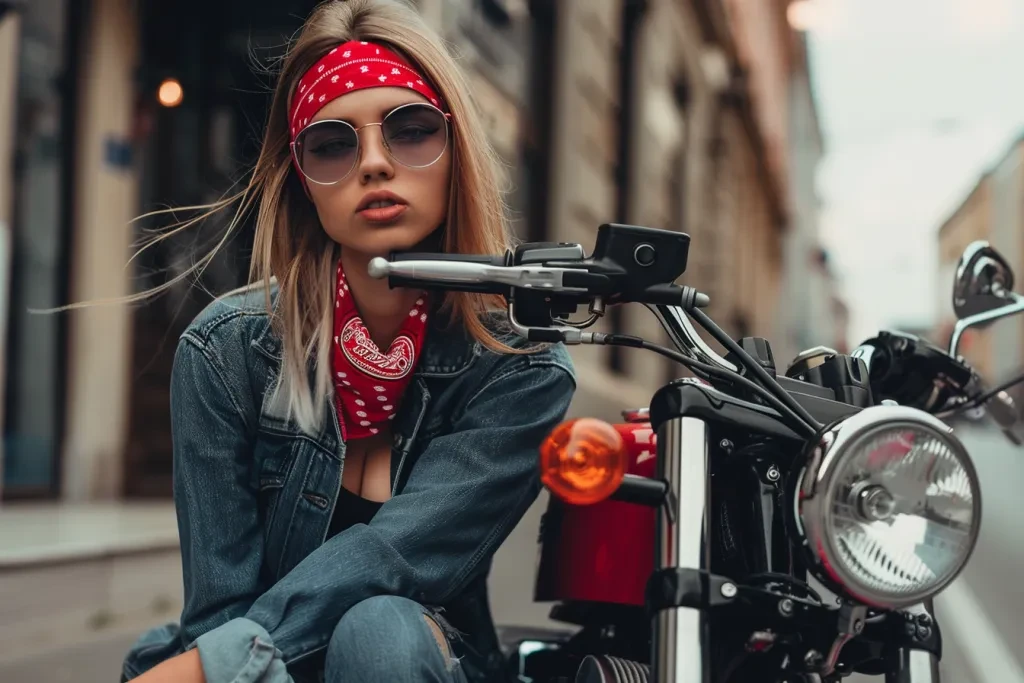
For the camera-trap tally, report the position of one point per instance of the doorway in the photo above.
(192, 154)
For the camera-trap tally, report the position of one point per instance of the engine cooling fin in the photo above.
(608, 669)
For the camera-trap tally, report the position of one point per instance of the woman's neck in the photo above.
(382, 309)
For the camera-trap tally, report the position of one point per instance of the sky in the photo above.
(917, 98)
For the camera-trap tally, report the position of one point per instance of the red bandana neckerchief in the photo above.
(368, 382)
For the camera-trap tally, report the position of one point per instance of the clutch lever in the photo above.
(1004, 411)
(997, 403)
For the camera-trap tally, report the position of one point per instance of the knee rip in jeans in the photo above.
(441, 637)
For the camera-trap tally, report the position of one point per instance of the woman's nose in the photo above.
(375, 160)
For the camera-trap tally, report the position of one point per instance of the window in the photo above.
(539, 118)
(43, 163)
(632, 16)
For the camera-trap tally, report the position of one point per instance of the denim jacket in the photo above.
(263, 589)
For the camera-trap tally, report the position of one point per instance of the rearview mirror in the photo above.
(984, 281)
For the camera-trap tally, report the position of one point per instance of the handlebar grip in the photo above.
(399, 256)
(379, 268)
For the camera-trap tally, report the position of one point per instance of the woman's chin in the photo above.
(386, 242)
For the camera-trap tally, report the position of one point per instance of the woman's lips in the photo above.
(383, 214)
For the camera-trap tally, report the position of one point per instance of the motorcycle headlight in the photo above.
(890, 506)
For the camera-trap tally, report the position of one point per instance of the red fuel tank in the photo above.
(602, 552)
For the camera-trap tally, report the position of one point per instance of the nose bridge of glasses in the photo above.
(360, 143)
(367, 125)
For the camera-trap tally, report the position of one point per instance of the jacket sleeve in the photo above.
(215, 500)
(466, 492)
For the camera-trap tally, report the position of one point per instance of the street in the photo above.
(978, 614)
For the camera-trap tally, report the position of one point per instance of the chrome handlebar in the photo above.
(684, 336)
(461, 272)
(673, 319)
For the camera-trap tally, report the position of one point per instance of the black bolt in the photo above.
(924, 632)
(924, 619)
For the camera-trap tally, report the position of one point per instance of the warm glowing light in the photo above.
(170, 93)
(583, 461)
(803, 15)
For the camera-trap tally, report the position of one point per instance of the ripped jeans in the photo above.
(386, 639)
(383, 639)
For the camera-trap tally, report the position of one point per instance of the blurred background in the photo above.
(830, 159)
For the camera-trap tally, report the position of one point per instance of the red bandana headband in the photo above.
(352, 66)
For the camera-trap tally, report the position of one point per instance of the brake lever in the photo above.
(1000, 407)
(1004, 411)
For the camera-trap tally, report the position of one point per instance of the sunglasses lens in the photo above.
(326, 152)
(416, 134)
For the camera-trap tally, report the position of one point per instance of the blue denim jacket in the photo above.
(254, 494)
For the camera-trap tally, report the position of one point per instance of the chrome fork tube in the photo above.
(915, 666)
(680, 643)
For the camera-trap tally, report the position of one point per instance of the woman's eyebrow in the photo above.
(384, 111)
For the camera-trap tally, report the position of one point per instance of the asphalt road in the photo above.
(979, 615)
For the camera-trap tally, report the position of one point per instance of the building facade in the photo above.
(666, 113)
(969, 222)
(814, 314)
(992, 211)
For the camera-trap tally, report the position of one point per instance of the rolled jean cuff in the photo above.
(240, 651)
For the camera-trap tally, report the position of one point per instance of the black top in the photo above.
(351, 510)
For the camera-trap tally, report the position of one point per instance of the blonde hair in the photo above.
(289, 244)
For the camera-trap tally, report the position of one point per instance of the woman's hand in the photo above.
(185, 668)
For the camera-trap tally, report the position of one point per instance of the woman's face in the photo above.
(382, 205)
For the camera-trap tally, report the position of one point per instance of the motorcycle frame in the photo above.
(680, 643)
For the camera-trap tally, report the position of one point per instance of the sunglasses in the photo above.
(415, 136)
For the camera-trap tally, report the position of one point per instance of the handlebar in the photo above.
(481, 274)
(460, 273)
(544, 284)
(915, 372)
(417, 270)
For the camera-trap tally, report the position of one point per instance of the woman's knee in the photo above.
(389, 638)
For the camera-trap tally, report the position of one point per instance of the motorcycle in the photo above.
(747, 525)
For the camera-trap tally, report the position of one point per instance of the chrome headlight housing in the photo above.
(890, 506)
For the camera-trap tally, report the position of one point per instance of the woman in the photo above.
(338, 504)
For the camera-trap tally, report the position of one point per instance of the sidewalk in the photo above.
(47, 533)
(71, 575)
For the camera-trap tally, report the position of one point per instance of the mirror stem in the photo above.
(1017, 306)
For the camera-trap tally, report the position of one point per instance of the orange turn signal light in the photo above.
(583, 461)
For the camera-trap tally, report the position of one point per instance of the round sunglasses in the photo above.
(415, 136)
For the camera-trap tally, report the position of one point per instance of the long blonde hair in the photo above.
(289, 244)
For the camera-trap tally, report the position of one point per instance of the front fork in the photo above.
(681, 651)
(915, 666)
